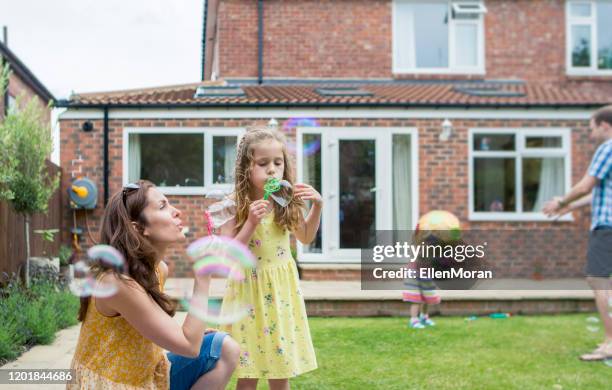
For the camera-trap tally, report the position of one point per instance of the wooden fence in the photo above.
(12, 231)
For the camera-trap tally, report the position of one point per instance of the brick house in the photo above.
(21, 82)
(477, 107)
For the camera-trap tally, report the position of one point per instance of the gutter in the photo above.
(68, 104)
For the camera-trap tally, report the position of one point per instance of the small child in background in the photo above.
(421, 293)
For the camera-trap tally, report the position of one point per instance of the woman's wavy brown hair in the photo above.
(286, 217)
(140, 256)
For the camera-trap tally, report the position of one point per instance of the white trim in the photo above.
(384, 217)
(325, 193)
(591, 21)
(350, 112)
(520, 152)
(410, 66)
(457, 7)
(207, 133)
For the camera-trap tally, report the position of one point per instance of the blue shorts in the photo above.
(184, 371)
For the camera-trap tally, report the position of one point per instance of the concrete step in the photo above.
(345, 298)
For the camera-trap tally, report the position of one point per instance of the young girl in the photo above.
(123, 336)
(274, 338)
(420, 292)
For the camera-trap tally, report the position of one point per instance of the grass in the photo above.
(534, 352)
(33, 316)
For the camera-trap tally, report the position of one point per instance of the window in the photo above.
(181, 161)
(11, 103)
(513, 172)
(438, 36)
(589, 37)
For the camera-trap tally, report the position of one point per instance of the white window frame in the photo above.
(329, 173)
(11, 103)
(582, 21)
(519, 153)
(207, 134)
(453, 68)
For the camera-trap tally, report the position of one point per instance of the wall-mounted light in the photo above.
(87, 126)
(273, 124)
(447, 130)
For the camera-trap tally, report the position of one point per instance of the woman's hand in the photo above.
(306, 192)
(257, 210)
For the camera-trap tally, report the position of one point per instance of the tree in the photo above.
(7, 160)
(27, 142)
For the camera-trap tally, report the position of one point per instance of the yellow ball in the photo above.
(440, 224)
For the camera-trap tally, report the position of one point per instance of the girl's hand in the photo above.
(306, 192)
(257, 210)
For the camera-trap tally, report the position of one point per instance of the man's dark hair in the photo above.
(604, 114)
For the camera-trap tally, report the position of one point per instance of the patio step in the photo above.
(330, 271)
(346, 299)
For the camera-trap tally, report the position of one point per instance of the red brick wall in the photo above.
(524, 39)
(311, 38)
(443, 180)
(17, 88)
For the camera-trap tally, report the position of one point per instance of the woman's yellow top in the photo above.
(111, 354)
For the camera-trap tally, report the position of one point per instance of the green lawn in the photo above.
(533, 352)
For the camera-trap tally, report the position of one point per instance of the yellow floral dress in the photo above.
(111, 354)
(274, 338)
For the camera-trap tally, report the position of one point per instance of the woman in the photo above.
(123, 336)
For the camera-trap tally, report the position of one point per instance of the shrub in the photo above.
(33, 316)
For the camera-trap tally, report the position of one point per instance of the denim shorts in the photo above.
(599, 254)
(184, 371)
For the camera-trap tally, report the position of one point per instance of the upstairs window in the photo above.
(438, 36)
(589, 37)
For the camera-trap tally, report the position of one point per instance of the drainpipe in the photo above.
(203, 76)
(106, 164)
(260, 42)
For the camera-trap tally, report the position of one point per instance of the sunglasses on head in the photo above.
(128, 188)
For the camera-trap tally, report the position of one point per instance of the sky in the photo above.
(102, 45)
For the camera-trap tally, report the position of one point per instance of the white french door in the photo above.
(357, 190)
(357, 181)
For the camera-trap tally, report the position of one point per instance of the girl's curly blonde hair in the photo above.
(287, 217)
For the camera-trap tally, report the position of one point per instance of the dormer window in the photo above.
(438, 36)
